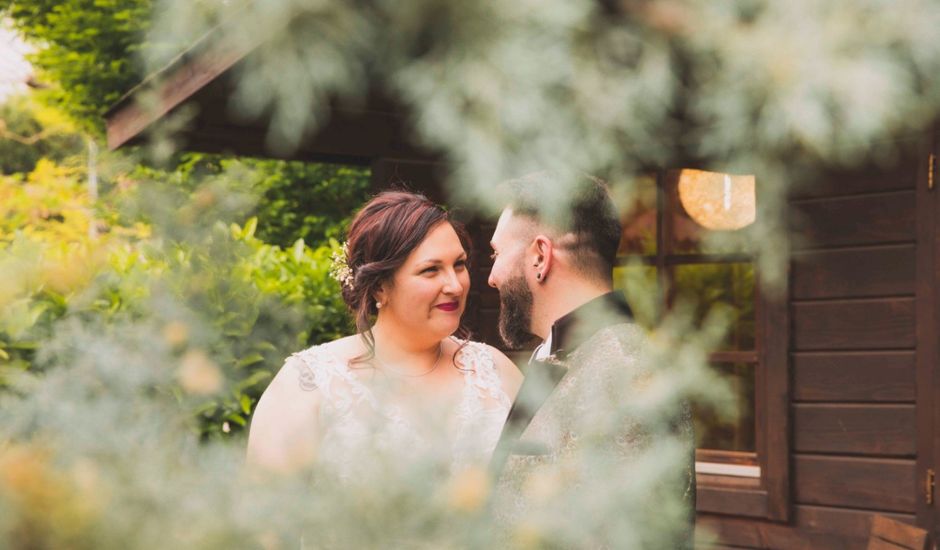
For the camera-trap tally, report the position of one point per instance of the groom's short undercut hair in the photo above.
(589, 226)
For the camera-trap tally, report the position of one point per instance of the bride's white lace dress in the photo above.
(359, 419)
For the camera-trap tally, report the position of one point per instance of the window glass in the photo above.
(639, 284)
(727, 285)
(732, 427)
(697, 207)
(639, 220)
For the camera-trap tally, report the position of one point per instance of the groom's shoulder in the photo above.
(615, 343)
(627, 332)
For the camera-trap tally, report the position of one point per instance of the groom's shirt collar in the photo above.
(574, 328)
(543, 351)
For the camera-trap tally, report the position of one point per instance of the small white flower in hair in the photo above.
(340, 269)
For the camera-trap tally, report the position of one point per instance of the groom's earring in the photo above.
(538, 276)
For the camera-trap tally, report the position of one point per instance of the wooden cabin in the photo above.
(839, 374)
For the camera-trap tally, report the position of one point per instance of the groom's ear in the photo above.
(542, 254)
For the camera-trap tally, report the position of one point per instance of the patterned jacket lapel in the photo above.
(540, 380)
(568, 333)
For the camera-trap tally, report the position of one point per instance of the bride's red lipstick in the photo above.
(449, 306)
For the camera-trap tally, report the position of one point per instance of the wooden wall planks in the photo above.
(852, 365)
(883, 430)
(872, 376)
(742, 533)
(853, 273)
(861, 220)
(899, 172)
(813, 527)
(854, 324)
(871, 483)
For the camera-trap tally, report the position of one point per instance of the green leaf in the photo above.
(264, 345)
(237, 418)
(253, 379)
(299, 249)
(206, 408)
(250, 226)
(24, 345)
(249, 360)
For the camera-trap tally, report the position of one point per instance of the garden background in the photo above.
(148, 295)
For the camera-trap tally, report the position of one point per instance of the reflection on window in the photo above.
(696, 202)
(682, 243)
(729, 286)
(639, 220)
(732, 428)
(717, 201)
(640, 287)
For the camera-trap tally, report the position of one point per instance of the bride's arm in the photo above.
(509, 374)
(283, 433)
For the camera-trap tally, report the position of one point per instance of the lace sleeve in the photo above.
(319, 369)
(482, 373)
(306, 375)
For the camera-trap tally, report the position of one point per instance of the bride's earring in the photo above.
(378, 305)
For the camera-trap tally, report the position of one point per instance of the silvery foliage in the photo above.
(103, 439)
(503, 89)
(611, 88)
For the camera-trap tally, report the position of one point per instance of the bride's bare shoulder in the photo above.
(344, 349)
(287, 413)
(295, 389)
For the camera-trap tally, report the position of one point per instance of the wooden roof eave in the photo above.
(164, 90)
(357, 130)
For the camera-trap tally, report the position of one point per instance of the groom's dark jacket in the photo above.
(587, 429)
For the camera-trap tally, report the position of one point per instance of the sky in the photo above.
(14, 69)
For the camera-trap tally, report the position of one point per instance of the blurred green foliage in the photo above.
(89, 50)
(187, 237)
(47, 254)
(156, 234)
(500, 89)
(295, 200)
(30, 131)
(307, 201)
(90, 56)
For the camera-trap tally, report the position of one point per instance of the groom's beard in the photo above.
(515, 312)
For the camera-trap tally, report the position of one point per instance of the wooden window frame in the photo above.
(766, 496)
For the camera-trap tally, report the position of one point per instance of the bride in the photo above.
(407, 382)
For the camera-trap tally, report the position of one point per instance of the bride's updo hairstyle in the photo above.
(380, 238)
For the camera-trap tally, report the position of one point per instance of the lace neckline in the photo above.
(480, 374)
(350, 406)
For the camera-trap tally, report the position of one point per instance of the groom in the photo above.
(571, 427)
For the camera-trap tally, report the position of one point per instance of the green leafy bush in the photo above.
(231, 306)
(30, 131)
(89, 53)
(295, 200)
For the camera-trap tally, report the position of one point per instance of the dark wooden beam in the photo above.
(172, 86)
